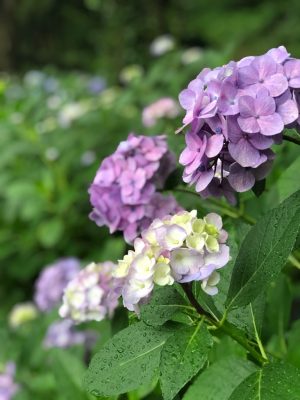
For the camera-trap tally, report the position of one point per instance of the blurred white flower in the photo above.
(161, 45)
(34, 78)
(22, 313)
(51, 153)
(71, 112)
(191, 55)
(130, 73)
(54, 102)
(87, 158)
(46, 126)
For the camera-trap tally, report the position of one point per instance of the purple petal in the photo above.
(220, 258)
(241, 179)
(270, 124)
(276, 84)
(192, 140)
(262, 171)
(264, 105)
(204, 180)
(260, 142)
(187, 99)
(214, 145)
(247, 106)
(265, 66)
(234, 131)
(244, 153)
(247, 76)
(249, 125)
(279, 54)
(295, 83)
(288, 111)
(187, 156)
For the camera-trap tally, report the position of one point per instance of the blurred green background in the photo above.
(75, 77)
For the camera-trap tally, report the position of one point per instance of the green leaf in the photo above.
(182, 357)
(219, 380)
(278, 310)
(288, 181)
(68, 371)
(259, 187)
(128, 360)
(164, 304)
(293, 348)
(264, 252)
(50, 232)
(276, 381)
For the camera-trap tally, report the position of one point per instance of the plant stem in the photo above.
(227, 210)
(224, 326)
(291, 139)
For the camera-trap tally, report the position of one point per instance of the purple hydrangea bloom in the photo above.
(8, 387)
(124, 191)
(64, 334)
(235, 114)
(52, 281)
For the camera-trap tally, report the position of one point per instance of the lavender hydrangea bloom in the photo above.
(63, 334)
(235, 114)
(124, 191)
(52, 282)
(92, 295)
(8, 387)
(180, 248)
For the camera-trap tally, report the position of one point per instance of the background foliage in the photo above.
(75, 77)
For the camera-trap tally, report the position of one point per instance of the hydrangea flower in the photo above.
(92, 295)
(52, 281)
(177, 248)
(22, 313)
(235, 113)
(8, 387)
(124, 191)
(63, 334)
(165, 107)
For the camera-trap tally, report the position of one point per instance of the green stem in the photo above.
(291, 139)
(224, 326)
(259, 343)
(227, 210)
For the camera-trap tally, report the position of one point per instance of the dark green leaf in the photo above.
(264, 252)
(259, 187)
(219, 380)
(182, 357)
(276, 381)
(128, 360)
(166, 301)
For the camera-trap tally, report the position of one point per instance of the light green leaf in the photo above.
(184, 354)
(164, 304)
(276, 381)
(219, 380)
(128, 360)
(50, 232)
(68, 371)
(264, 252)
(289, 181)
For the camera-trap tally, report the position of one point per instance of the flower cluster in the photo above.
(236, 113)
(165, 107)
(180, 248)
(123, 193)
(52, 281)
(22, 313)
(64, 334)
(92, 295)
(8, 388)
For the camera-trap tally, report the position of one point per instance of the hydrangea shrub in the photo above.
(189, 281)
